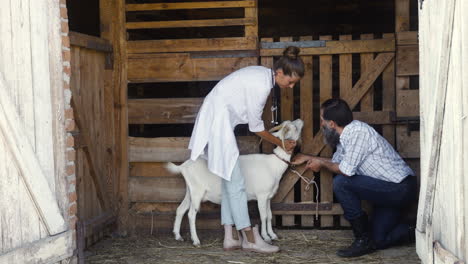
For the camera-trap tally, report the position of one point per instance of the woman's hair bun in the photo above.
(291, 52)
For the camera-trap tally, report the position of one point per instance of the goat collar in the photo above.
(280, 154)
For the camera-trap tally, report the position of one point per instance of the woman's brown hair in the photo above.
(290, 62)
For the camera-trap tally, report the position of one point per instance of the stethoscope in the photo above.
(274, 99)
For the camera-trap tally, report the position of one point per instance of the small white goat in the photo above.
(262, 173)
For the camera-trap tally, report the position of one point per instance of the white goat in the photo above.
(262, 173)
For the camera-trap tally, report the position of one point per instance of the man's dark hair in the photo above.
(338, 111)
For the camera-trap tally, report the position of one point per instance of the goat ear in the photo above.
(299, 124)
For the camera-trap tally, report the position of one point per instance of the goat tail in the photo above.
(172, 168)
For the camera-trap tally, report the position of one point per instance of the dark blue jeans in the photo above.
(387, 198)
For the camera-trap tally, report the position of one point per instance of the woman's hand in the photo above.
(300, 158)
(289, 145)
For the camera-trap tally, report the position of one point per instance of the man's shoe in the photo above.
(362, 244)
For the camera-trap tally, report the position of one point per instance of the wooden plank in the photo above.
(175, 149)
(189, 5)
(341, 47)
(192, 23)
(251, 30)
(445, 256)
(367, 102)
(182, 45)
(267, 147)
(287, 183)
(306, 112)
(407, 102)
(326, 180)
(374, 118)
(346, 70)
(48, 250)
(388, 96)
(180, 67)
(408, 145)
(167, 189)
(407, 38)
(149, 169)
(163, 111)
(402, 15)
(287, 113)
(335, 210)
(28, 164)
(407, 60)
(156, 224)
(89, 42)
(171, 207)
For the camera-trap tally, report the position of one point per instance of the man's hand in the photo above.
(314, 164)
(300, 158)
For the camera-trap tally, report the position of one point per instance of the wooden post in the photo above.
(326, 177)
(287, 112)
(267, 62)
(308, 129)
(113, 29)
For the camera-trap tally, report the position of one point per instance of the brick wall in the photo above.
(69, 123)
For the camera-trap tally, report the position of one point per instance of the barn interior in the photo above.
(140, 70)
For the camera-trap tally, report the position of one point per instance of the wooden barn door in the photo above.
(330, 65)
(441, 231)
(33, 198)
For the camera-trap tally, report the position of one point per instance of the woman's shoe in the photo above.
(257, 245)
(230, 241)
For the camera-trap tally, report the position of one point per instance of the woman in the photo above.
(239, 98)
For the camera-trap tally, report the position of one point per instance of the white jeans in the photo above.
(234, 209)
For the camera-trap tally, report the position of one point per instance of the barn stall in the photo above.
(140, 69)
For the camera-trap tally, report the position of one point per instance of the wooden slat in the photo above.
(149, 169)
(175, 149)
(407, 38)
(181, 45)
(167, 189)
(374, 118)
(163, 111)
(407, 101)
(192, 23)
(408, 146)
(306, 100)
(341, 47)
(335, 210)
(326, 180)
(49, 250)
(190, 5)
(407, 60)
(252, 13)
(171, 207)
(267, 147)
(287, 183)
(346, 71)
(388, 96)
(367, 102)
(180, 67)
(287, 112)
(89, 42)
(28, 163)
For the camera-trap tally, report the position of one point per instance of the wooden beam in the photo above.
(14, 134)
(48, 250)
(407, 60)
(407, 38)
(175, 149)
(149, 169)
(309, 209)
(341, 47)
(181, 45)
(181, 67)
(89, 42)
(192, 23)
(163, 111)
(192, 5)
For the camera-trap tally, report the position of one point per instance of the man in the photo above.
(367, 168)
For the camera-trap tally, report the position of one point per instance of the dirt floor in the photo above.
(297, 246)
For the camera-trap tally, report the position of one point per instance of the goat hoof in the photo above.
(274, 237)
(179, 238)
(196, 243)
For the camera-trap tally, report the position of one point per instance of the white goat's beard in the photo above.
(330, 137)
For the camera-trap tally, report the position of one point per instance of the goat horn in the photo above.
(276, 128)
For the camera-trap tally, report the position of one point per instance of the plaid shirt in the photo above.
(363, 151)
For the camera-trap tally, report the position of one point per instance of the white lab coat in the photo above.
(239, 98)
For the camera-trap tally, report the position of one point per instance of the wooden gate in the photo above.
(359, 71)
(34, 204)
